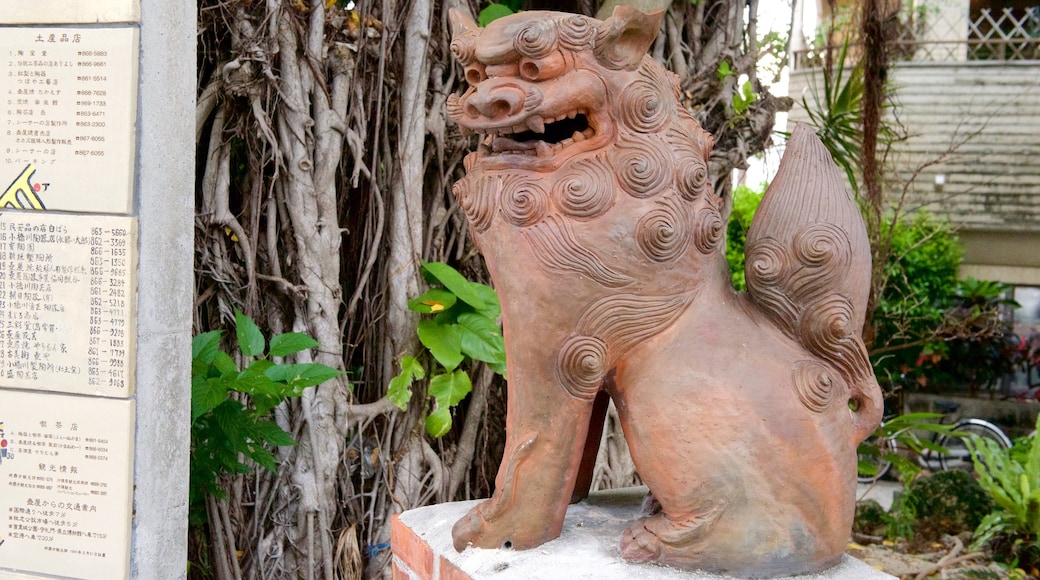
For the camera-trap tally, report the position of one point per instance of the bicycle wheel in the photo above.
(872, 463)
(957, 455)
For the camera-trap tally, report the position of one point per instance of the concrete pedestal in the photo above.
(587, 548)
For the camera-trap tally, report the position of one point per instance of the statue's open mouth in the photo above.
(540, 137)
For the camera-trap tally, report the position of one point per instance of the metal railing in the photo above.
(1011, 34)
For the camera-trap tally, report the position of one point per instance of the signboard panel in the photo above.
(65, 484)
(67, 134)
(68, 12)
(68, 302)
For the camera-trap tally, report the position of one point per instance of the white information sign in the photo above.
(65, 485)
(67, 133)
(69, 11)
(68, 302)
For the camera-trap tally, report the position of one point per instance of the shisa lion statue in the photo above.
(590, 200)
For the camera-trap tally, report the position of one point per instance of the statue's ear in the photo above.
(623, 39)
(461, 22)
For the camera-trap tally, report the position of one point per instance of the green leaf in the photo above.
(206, 394)
(302, 375)
(250, 339)
(439, 422)
(205, 346)
(457, 283)
(491, 13)
(271, 433)
(400, 392)
(432, 301)
(410, 364)
(443, 341)
(481, 338)
(224, 363)
(291, 343)
(450, 388)
(491, 309)
(724, 70)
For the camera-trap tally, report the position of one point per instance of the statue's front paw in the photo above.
(468, 530)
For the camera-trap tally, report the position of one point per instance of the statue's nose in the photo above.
(495, 101)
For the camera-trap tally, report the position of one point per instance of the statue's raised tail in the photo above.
(808, 269)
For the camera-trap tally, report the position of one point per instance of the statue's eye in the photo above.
(475, 73)
(540, 69)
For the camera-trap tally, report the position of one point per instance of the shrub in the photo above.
(949, 502)
(1013, 483)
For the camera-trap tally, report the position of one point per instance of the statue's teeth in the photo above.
(519, 128)
(578, 137)
(543, 149)
(536, 124)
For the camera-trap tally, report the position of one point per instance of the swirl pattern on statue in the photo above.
(582, 364)
(464, 47)
(767, 270)
(643, 108)
(476, 200)
(691, 177)
(586, 189)
(815, 387)
(824, 252)
(537, 39)
(524, 202)
(576, 32)
(554, 246)
(827, 330)
(663, 233)
(709, 229)
(625, 320)
(643, 167)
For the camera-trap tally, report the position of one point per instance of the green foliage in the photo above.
(743, 99)
(1014, 486)
(908, 431)
(462, 327)
(948, 502)
(231, 406)
(836, 114)
(920, 281)
(496, 10)
(745, 203)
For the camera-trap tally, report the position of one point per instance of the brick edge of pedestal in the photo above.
(414, 559)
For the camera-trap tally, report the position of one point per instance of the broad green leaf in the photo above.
(499, 368)
(250, 339)
(432, 301)
(271, 433)
(224, 363)
(491, 13)
(450, 388)
(291, 343)
(491, 308)
(400, 392)
(302, 375)
(481, 338)
(444, 342)
(409, 364)
(257, 367)
(206, 394)
(205, 346)
(439, 422)
(457, 283)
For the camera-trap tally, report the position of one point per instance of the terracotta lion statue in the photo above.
(590, 200)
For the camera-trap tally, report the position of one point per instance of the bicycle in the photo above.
(946, 449)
